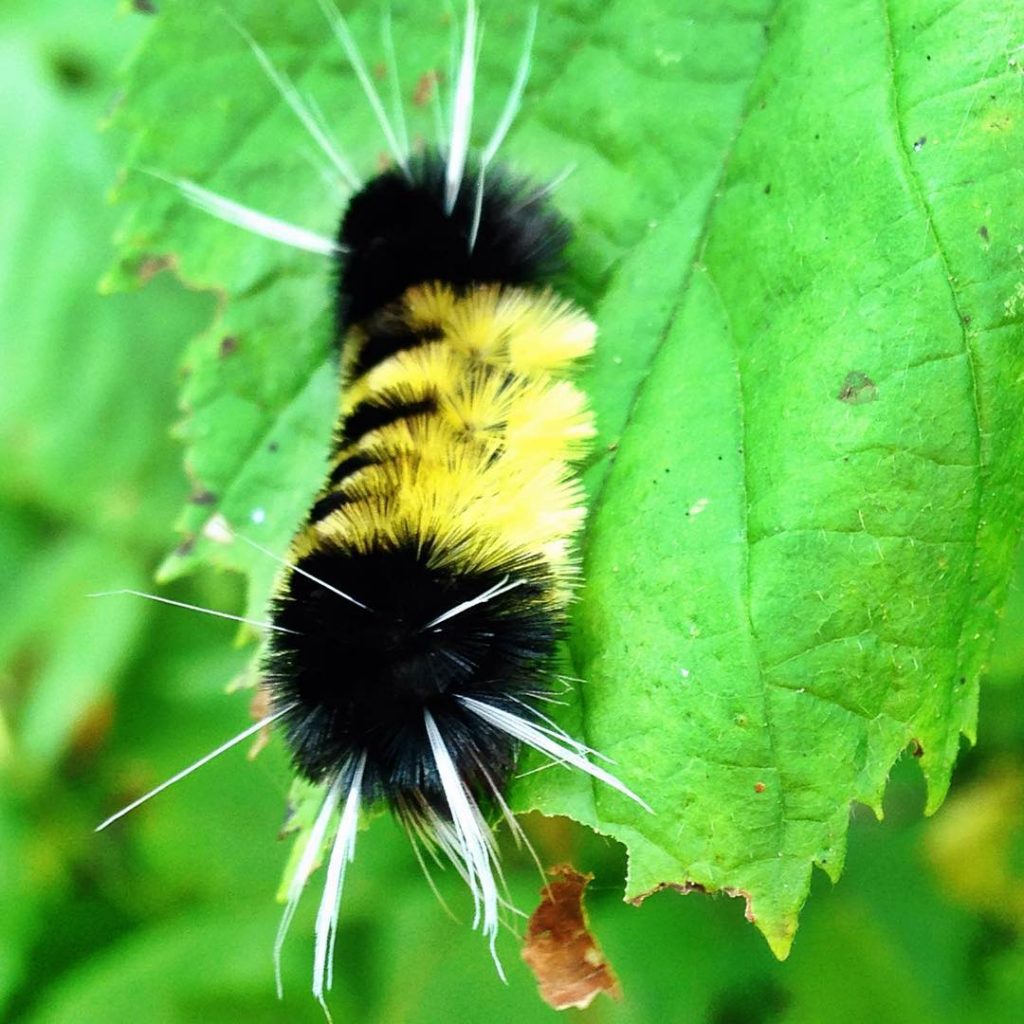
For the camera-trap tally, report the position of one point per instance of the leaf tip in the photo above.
(778, 932)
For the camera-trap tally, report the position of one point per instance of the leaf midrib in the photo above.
(914, 185)
(683, 293)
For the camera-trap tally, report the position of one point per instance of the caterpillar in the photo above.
(415, 619)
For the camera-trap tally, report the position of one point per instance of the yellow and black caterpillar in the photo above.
(450, 506)
(413, 628)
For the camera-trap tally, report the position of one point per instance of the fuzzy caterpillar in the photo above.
(414, 622)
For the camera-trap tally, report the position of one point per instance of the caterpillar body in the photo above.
(450, 507)
(413, 626)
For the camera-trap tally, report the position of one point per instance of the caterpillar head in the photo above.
(398, 232)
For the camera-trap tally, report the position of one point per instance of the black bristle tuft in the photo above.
(360, 679)
(396, 234)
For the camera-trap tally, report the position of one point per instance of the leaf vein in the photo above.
(917, 191)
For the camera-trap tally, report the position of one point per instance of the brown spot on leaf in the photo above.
(999, 123)
(424, 91)
(916, 749)
(858, 388)
(983, 231)
(565, 959)
(144, 6)
(759, 787)
(228, 346)
(380, 71)
(153, 265)
(919, 144)
(203, 497)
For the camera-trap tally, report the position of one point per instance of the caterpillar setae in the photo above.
(414, 622)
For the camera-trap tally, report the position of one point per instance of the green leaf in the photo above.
(814, 566)
(87, 470)
(76, 661)
(88, 475)
(81, 440)
(800, 230)
(171, 964)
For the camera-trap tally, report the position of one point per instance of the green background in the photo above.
(170, 916)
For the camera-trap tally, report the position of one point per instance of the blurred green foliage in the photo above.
(168, 918)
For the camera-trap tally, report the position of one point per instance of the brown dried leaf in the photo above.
(565, 958)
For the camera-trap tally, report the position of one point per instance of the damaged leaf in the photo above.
(564, 956)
